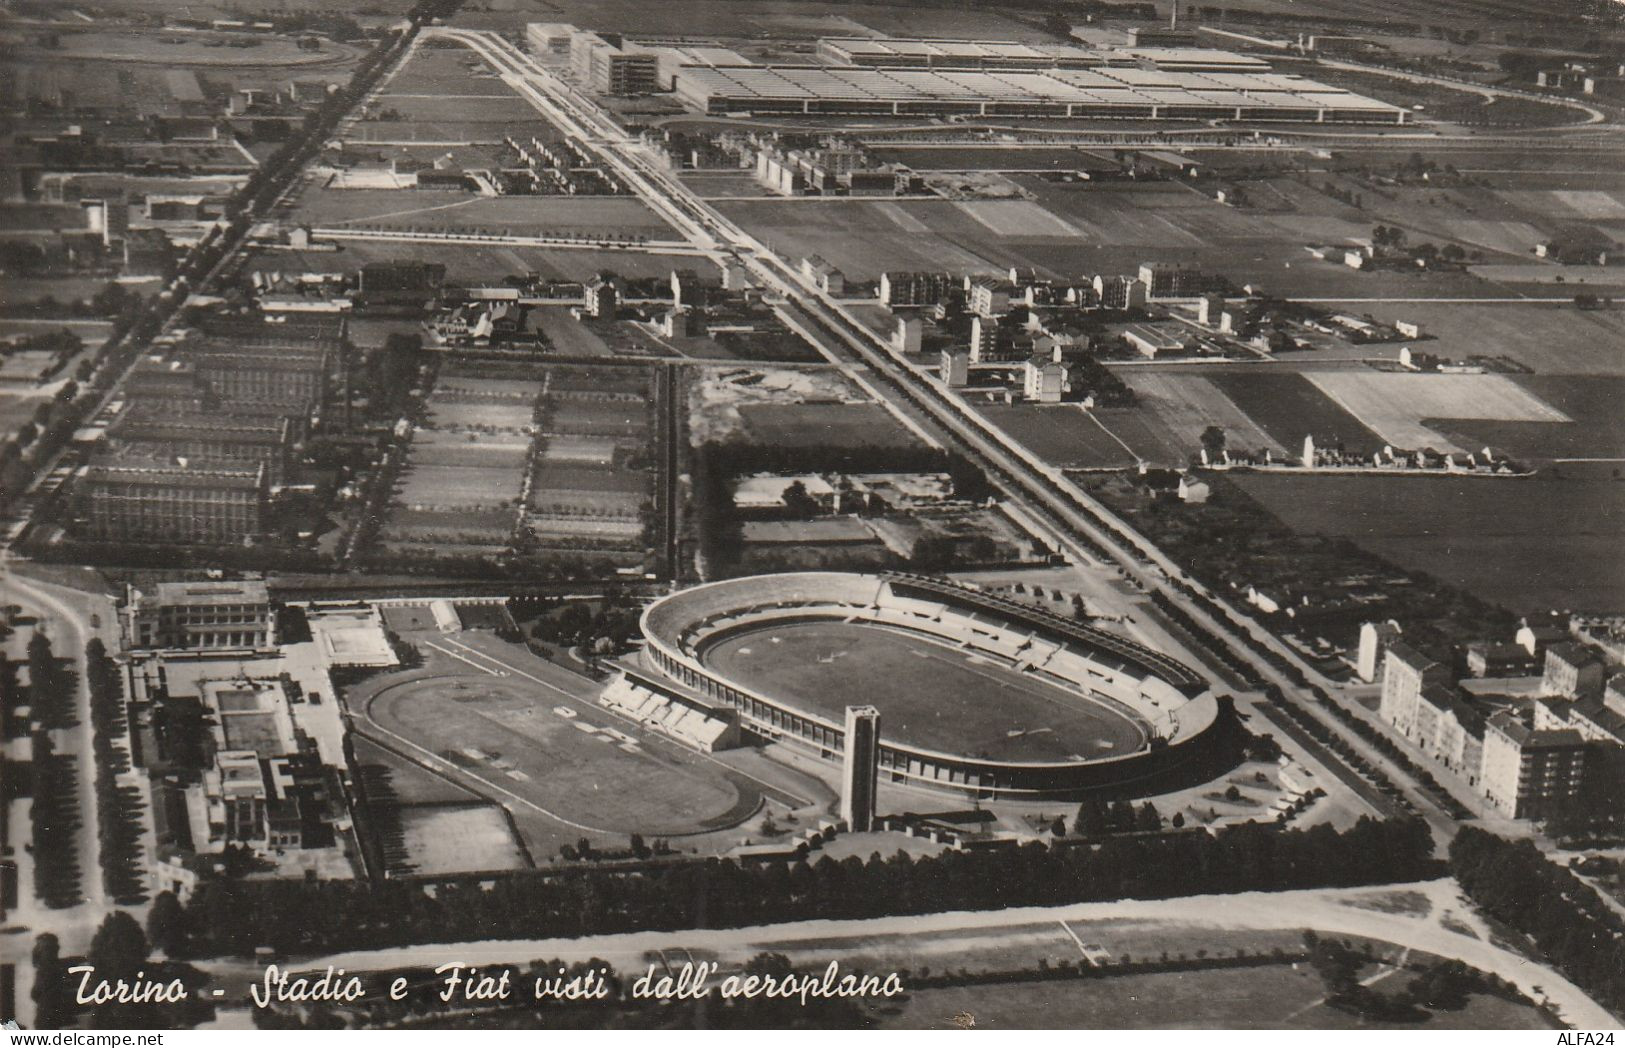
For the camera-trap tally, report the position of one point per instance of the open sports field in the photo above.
(1289, 407)
(1394, 405)
(1063, 435)
(507, 734)
(929, 694)
(1185, 404)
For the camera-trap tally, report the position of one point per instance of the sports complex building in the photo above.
(1118, 92)
(977, 694)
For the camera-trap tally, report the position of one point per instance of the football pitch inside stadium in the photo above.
(929, 694)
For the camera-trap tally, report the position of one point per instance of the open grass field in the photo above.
(472, 838)
(1268, 997)
(1527, 544)
(1289, 407)
(936, 696)
(1063, 435)
(1546, 338)
(1186, 404)
(841, 425)
(600, 418)
(507, 732)
(1394, 405)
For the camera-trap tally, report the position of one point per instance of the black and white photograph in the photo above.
(807, 515)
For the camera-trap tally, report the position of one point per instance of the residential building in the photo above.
(1529, 773)
(987, 296)
(914, 289)
(1044, 379)
(1572, 671)
(955, 370)
(600, 298)
(1375, 637)
(1172, 280)
(1405, 672)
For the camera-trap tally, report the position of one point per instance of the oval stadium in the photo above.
(977, 694)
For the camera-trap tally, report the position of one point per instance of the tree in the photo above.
(166, 924)
(50, 991)
(1092, 820)
(1213, 439)
(1178, 821)
(119, 947)
(1058, 827)
(1148, 820)
(1121, 817)
(798, 504)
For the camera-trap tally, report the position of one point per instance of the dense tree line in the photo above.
(55, 817)
(119, 951)
(235, 917)
(50, 686)
(118, 808)
(1565, 918)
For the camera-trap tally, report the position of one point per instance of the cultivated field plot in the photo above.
(441, 71)
(823, 425)
(865, 238)
(1187, 404)
(465, 467)
(623, 419)
(505, 733)
(1289, 407)
(1591, 401)
(1394, 405)
(570, 448)
(1548, 339)
(496, 105)
(1569, 205)
(592, 420)
(939, 697)
(434, 209)
(1063, 435)
(470, 838)
(1548, 541)
(1017, 219)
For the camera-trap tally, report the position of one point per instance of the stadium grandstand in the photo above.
(979, 694)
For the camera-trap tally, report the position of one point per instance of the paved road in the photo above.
(1447, 929)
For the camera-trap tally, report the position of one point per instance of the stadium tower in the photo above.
(860, 771)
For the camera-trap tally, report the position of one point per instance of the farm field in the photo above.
(480, 262)
(592, 420)
(433, 209)
(1548, 339)
(465, 467)
(1548, 541)
(1080, 229)
(843, 425)
(1063, 435)
(1597, 429)
(1288, 407)
(945, 700)
(1184, 405)
(1393, 405)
